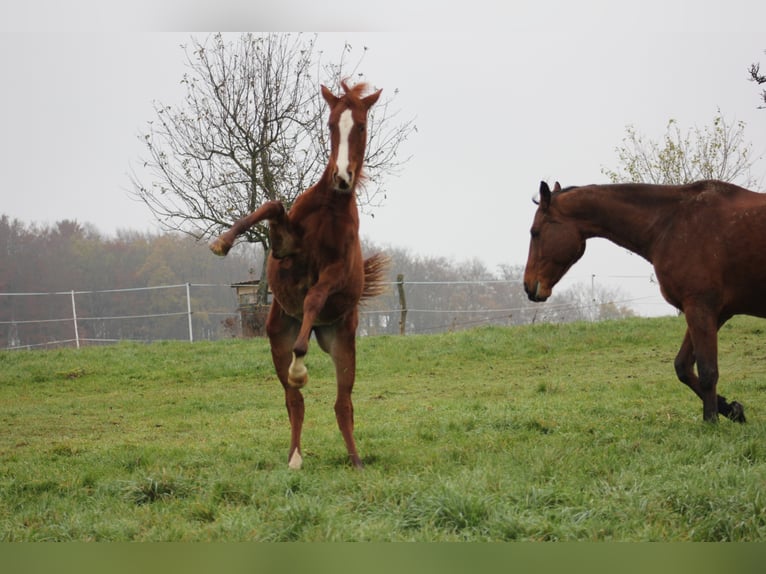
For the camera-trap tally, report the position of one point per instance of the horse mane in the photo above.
(354, 92)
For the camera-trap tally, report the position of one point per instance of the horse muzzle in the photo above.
(343, 181)
(535, 292)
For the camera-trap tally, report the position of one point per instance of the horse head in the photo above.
(556, 243)
(348, 134)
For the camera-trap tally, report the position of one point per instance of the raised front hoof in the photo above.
(297, 374)
(297, 377)
(220, 247)
(297, 382)
(737, 412)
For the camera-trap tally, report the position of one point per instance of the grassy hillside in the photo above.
(542, 432)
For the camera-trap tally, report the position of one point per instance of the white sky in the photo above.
(504, 94)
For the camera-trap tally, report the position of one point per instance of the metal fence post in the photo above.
(189, 312)
(74, 318)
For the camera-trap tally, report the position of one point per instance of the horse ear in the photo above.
(557, 186)
(328, 96)
(545, 196)
(370, 100)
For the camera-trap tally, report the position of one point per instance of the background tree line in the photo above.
(441, 294)
(69, 256)
(251, 128)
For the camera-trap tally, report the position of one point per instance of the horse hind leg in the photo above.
(339, 342)
(281, 331)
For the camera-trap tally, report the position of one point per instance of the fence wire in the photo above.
(34, 320)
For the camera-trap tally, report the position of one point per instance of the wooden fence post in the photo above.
(402, 304)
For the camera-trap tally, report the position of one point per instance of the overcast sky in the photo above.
(504, 94)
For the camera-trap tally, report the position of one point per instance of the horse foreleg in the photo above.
(339, 341)
(281, 331)
(702, 335)
(684, 366)
(313, 303)
(273, 211)
(297, 373)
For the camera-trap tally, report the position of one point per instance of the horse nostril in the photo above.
(533, 290)
(343, 179)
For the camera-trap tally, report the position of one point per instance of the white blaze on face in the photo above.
(345, 124)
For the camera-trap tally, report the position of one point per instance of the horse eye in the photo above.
(361, 127)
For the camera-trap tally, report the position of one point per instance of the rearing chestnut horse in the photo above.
(706, 241)
(316, 271)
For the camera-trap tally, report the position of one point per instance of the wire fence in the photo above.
(35, 320)
(60, 318)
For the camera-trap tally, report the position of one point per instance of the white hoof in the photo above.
(296, 461)
(298, 374)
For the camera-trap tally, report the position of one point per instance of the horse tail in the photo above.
(375, 270)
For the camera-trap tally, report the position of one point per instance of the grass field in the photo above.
(542, 432)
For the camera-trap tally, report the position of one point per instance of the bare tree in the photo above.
(713, 152)
(252, 128)
(758, 78)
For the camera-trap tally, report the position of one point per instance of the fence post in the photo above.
(189, 312)
(402, 303)
(74, 318)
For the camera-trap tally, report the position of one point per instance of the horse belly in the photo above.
(290, 282)
(338, 305)
(744, 268)
(745, 291)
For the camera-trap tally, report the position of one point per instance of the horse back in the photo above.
(716, 245)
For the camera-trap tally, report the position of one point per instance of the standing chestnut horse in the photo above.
(316, 271)
(706, 241)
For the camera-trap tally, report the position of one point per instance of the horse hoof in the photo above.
(298, 374)
(220, 247)
(297, 382)
(737, 413)
(296, 461)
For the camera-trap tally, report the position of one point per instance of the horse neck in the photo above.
(626, 214)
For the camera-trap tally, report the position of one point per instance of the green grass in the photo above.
(543, 432)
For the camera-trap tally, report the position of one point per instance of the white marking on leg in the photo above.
(345, 124)
(296, 461)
